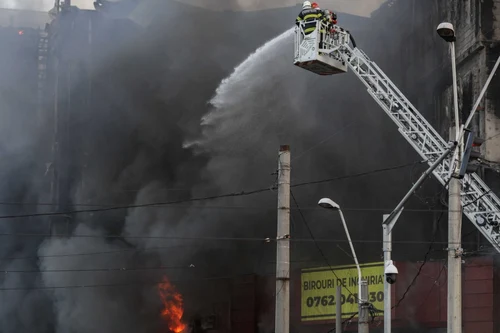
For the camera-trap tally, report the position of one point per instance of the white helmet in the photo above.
(307, 4)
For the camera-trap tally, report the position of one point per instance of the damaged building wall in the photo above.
(490, 37)
(418, 61)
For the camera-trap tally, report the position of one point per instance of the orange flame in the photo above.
(172, 306)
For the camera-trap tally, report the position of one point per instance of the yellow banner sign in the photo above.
(318, 290)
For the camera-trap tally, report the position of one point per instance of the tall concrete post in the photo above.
(455, 222)
(387, 246)
(364, 315)
(454, 258)
(282, 315)
(338, 310)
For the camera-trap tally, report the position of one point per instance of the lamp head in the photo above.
(446, 31)
(328, 204)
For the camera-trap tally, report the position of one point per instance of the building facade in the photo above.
(418, 61)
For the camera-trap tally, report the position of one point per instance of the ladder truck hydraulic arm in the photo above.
(335, 55)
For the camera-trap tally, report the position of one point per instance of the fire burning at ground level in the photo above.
(173, 308)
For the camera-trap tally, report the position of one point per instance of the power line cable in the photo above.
(316, 244)
(353, 209)
(354, 175)
(94, 270)
(198, 199)
(127, 284)
(195, 238)
(62, 255)
(421, 266)
(323, 141)
(344, 322)
(166, 203)
(436, 280)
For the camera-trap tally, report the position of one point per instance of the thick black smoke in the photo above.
(131, 103)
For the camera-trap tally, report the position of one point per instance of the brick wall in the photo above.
(478, 307)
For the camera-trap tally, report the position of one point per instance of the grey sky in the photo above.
(355, 7)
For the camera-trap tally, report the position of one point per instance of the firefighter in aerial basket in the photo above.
(310, 16)
(331, 19)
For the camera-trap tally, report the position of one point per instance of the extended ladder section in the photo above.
(479, 203)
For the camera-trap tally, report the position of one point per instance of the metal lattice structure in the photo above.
(480, 204)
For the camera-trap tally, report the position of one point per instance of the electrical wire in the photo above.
(245, 239)
(161, 248)
(353, 209)
(153, 204)
(430, 201)
(114, 270)
(337, 132)
(433, 285)
(117, 285)
(315, 243)
(92, 253)
(198, 199)
(343, 323)
(353, 175)
(421, 266)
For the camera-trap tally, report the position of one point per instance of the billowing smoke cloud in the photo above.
(44, 5)
(27, 4)
(22, 181)
(132, 135)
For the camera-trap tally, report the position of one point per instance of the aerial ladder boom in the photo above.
(480, 204)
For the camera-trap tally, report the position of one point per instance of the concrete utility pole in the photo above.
(447, 32)
(454, 258)
(364, 315)
(455, 223)
(338, 310)
(282, 315)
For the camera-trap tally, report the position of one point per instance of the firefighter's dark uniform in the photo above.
(310, 16)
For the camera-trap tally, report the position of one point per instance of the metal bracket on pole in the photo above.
(388, 224)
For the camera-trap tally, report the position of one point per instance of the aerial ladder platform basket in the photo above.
(318, 52)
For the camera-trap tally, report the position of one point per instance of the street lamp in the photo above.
(363, 313)
(330, 204)
(446, 31)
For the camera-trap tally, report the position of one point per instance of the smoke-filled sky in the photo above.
(41, 5)
(156, 113)
(355, 7)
